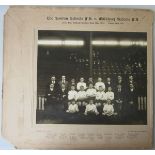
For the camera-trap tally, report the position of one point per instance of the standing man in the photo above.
(64, 82)
(131, 107)
(54, 82)
(119, 100)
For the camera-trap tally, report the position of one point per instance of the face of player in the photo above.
(73, 102)
(63, 78)
(90, 79)
(91, 102)
(53, 78)
(108, 79)
(109, 101)
(109, 89)
(131, 86)
(119, 78)
(81, 79)
(63, 86)
(131, 78)
(99, 79)
(90, 86)
(81, 88)
(72, 87)
(73, 80)
(119, 87)
(51, 86)
(100, 88)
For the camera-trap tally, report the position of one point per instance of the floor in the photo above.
(57, 115)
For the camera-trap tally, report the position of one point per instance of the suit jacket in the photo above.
(56, 86)
(132, 96)
(63, 94)
(60, 84)
(109, 85)
(119, 95)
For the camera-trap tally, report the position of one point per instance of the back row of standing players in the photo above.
(120, 96)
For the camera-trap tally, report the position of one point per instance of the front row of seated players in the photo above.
(90, 108)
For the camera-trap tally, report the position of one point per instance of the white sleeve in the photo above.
(104, 96)
(97, 96)
(77, 96)
(87, 94)
(69, 108)
(112, 109)
(112, 97)
(69, 96)
(77, 108)
(95, 92)
(96, 86)
(103, 86)
(95, 109)
(104, 108)
(85, 86)
(78, 86)
(86, 110)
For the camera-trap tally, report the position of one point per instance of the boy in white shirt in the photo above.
(110, 94)
(91, 108)
(91, 92)
(81, 97)
(108, 109)
(72, 93)
(81, 83)
(73, 107)
(99, 83)
(100, 96)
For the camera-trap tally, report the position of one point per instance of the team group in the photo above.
(106, 98)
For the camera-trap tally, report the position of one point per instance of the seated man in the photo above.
(72, 94)
(99, 83)
(131, 104)
(73, 107)
(72, 83)
(51, 94)
(91, 108)
(119, 100)
(100, 97)
(91, 91)
(81, 83)
(62, 96)
(110, 94)
(108, 109)
(63, 82)
(108, 83)
(81, 97)
(90, 81)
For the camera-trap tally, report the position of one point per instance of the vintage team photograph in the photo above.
(91, 77)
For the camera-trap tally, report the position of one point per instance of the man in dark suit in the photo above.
(54, 82)
(62, 96)
(119, 100)
(131, 104)
(108, 83)
(131, 80)
(51, 96)
(64, 82)
(119, 81)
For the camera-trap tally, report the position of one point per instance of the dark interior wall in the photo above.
(75, 61)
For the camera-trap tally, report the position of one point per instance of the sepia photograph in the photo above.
(91, 77)
(78, 78)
